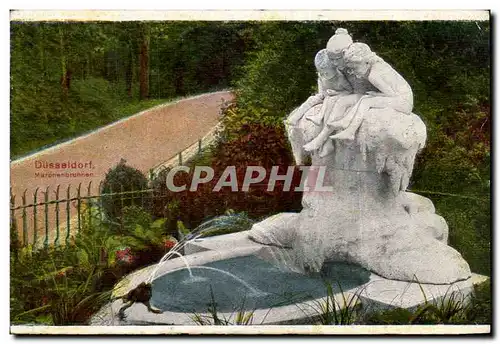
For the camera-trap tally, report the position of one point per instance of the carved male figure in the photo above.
(393, 90)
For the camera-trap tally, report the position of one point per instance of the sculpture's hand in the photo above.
(294, 118)
(375, 94)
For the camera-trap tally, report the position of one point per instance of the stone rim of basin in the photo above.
(280, 314)
(376, 292)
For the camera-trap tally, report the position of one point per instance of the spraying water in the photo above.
(173, 251)
(253, 291)
(185, 262)
(210, 225)
(217, 223)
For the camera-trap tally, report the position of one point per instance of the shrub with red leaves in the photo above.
(257, 145)
(124, 256)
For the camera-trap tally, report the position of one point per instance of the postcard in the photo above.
(250, 172)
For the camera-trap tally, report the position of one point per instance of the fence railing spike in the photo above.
(56, 240)
(79, 206)
(46, 199)
(25, 220)
(68, 214)
(35, 220)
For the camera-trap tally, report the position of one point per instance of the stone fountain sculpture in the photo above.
(360, 129)
(360, 126)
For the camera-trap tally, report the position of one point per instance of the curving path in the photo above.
(144, 140)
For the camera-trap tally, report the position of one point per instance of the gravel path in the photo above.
(143, 140)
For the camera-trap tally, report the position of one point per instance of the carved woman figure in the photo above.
(327, 69)
(337, 100)
(331, 82)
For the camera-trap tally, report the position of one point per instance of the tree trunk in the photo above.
(129, 73)
(41, 48)
(65, 75)
(144, 64)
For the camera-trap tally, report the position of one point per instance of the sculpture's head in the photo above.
(324, 65)
(336, 46)
(358, 59)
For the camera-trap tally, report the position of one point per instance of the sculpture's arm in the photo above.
(381, 77)
(298, 113)
(312, 101)
(345, 85)
(391, 84)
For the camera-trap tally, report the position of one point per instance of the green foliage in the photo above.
(257, 145)
(66, 285)
(141, 231)
(480, 310)
(241, 317)
(195, 56)
(44, 105)
(122, 178)
(73, 304)
(97, 96)
(230, 222)
(134, 107)
(50, 287)
(452, 308)
(69, 78)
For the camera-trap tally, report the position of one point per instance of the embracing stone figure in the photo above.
(360, 126)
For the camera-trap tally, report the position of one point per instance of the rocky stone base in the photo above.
(407, 242)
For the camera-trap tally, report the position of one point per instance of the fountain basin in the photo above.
(248, 283)
(282, 297)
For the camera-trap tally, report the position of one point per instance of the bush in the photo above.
(123, 178)
(257, 145)
(98, 97)
(264, 146)
(67, 285)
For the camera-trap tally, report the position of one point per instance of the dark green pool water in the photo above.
(257, 284)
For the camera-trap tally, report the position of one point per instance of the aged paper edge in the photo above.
(250, 330)
(241, 15)
(245, 15)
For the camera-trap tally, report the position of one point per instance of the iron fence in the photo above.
(44, 220)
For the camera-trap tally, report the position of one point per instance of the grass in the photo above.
(34, 145)
(332, 312)
(138, 106)
(452, 308)
(241, 317)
